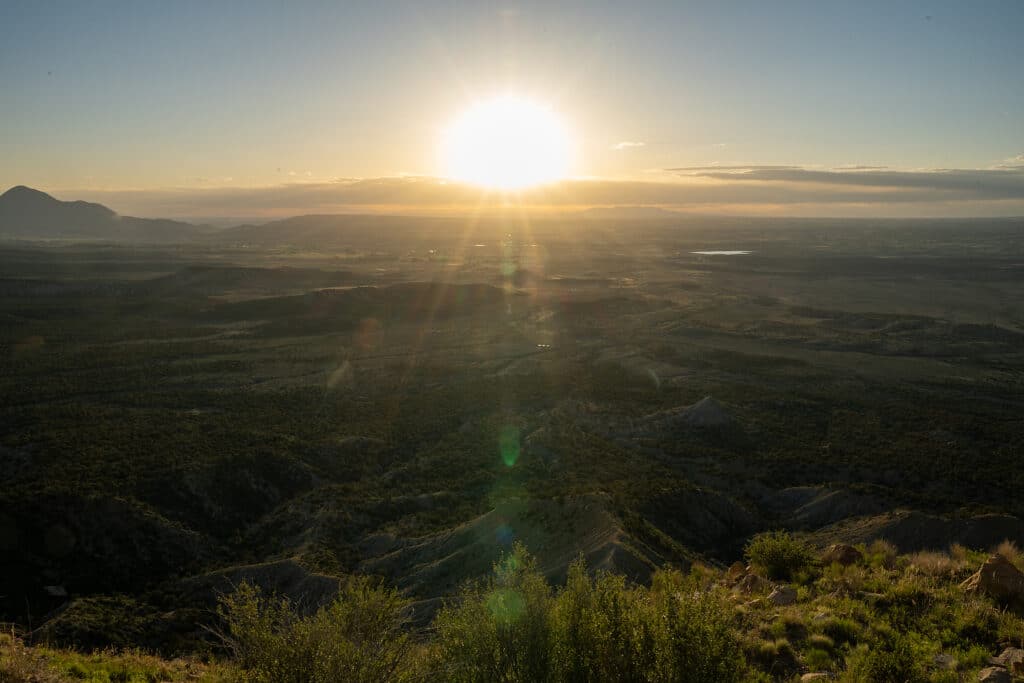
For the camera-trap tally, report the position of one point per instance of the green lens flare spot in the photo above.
(507, 567)
(505, 604)
(508, 444)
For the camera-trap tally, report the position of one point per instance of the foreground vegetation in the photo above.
(881, 617)
(22, 664)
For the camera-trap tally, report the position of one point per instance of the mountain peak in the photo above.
(22, 192)
(27, 213)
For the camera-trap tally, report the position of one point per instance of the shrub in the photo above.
(593, 629)
(695, 640)
(894, 659)
(816, 659)
(881, 553)
(1011, 629)
(515, 628)
(779, 554)
(789, 626)
(358, 637)
(842, 631)
(777, 658)
(972, 620)
(498, 630)
(821, 642)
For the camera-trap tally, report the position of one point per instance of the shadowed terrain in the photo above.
(411, 397)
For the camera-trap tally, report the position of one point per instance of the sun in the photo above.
(506, 143)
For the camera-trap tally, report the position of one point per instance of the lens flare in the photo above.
(508, 445)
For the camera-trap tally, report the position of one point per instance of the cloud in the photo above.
(627, 144)
(943, 184)
(1012, 162)
(700, 170)
(776, 189)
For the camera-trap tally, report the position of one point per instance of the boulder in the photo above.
(783, 595)
(1013, 659)
(816, 676)
(994, 674)
(997, 578)
(843, 554)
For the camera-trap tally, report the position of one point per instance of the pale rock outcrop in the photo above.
(783, 595)
(998, 578)
(994, 674)
(1013, 659)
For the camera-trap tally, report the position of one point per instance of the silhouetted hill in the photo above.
(30, 214)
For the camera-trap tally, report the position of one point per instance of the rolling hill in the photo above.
(26, 213)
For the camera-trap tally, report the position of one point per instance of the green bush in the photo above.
(358, 637)
(775, 657)
(817, 659)
(514, 627)
(779, 555)
(498, 630)
(840, 630)
(894, 659)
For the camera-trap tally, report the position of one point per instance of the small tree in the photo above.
(779, 554)
(515, 628)
(700, 642)
(498, 629)
(594, 627)
(359, 637)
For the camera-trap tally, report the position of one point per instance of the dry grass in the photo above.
(20, 663)
(959, 552)
(1010, 551)
(936, 564)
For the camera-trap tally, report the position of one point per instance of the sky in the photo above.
(805, 108)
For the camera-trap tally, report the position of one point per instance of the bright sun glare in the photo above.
(506, 143)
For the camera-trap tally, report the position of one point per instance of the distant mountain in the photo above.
(30, 214)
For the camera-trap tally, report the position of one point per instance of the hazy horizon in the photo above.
(440, 197)
(795, 109)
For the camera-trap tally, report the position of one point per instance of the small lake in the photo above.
(721, 253)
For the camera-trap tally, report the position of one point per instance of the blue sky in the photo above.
(145, 96)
